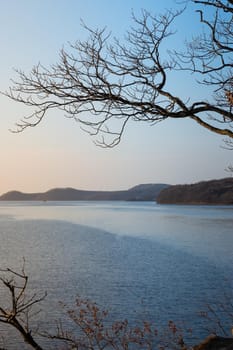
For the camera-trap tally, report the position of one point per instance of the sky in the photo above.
(57, 153)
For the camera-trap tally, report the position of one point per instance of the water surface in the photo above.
(141, 260)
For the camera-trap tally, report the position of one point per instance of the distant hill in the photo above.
(205, 192)
(18, 196)
(143, 192)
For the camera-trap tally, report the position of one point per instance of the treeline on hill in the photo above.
(205, 192)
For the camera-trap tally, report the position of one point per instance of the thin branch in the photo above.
(16, 284)
(104, 83)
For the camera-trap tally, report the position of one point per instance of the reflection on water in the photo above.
(140, 259)
(201, 230)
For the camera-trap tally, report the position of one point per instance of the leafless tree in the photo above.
(219, 315)
(104, 83)
(210, 54)
(18, 307)
(92, 329)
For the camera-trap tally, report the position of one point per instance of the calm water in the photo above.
(142, 260)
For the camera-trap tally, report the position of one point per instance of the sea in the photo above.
(139, 260)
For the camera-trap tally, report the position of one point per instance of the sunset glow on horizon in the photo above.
(57, 153)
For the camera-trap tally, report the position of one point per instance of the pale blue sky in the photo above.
(57, 153)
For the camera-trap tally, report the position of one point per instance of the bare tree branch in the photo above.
(16, 314)
(95, 331)
(104, 83)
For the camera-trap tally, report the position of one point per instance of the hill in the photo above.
(205, 192)
(143, 192)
